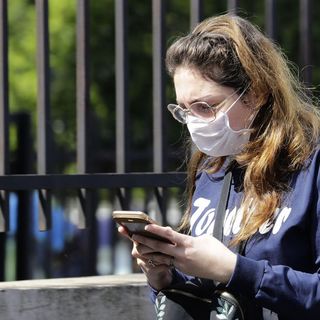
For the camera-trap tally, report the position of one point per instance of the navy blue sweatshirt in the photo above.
(279, 269)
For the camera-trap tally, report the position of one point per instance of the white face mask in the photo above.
(216, 138)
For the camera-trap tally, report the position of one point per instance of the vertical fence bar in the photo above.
(158, 85)
(270, 18)
(4, 113)
(83, 103)
(305, 40)
(196, 12)
(4, 132)
(84, 165)
(159, 125)
(122, 132)
(233, 6)
(23, 165)
(4, 107)
(44, 135)
(83, 85)
(122, 109)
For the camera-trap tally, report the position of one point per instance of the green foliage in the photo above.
(62, 25)
(22, 59)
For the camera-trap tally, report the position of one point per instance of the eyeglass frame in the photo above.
(215, 108)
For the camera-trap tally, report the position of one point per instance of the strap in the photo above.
(221, 210)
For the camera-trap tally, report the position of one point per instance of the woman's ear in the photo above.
(250, 99)
(254, 100)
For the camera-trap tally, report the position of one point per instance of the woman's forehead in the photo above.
(190, 85)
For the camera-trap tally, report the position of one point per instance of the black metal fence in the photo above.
(86, 182)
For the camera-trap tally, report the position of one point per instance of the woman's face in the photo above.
(191, 87)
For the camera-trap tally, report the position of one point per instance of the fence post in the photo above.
(24, 241)
(305, 40)
(88, 198)
(196, 14)
(4, 132)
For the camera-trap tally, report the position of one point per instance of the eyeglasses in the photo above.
(199, 109)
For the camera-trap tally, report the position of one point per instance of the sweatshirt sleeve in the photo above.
(285, 290)
(279, 288)
(177, 277)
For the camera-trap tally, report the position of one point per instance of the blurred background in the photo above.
(63, 250)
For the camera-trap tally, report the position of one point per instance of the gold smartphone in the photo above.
(134, 222)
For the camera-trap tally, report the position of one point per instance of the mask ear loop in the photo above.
(220, 105)
(234, 102)
(253, 116)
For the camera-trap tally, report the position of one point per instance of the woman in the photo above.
(247, 113)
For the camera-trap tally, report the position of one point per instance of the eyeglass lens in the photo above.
(178, 113)
(203, 110)
(198, 109)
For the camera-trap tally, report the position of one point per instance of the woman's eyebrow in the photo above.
(202, 99)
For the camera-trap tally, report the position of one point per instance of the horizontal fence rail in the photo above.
(92, 181)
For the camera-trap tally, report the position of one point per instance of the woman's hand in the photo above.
(156, 266)
(202, 256)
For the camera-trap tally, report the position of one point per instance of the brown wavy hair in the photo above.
(233, 52)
